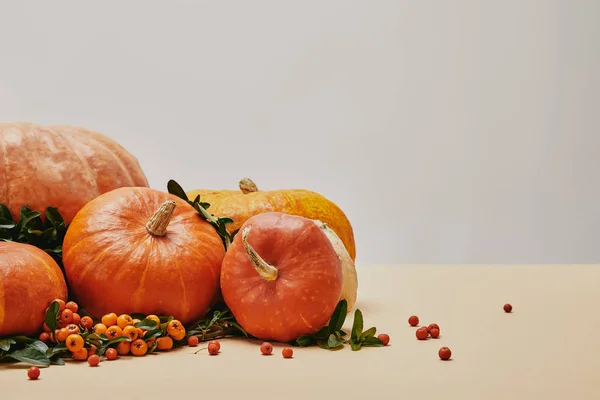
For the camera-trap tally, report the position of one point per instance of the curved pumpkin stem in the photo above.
(157, 224)
(247, 186)
(264, 269)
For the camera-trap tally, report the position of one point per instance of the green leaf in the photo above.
(55, 359)
(334, 342)
(322, 343)
(31, 355)
(52, 315)
(6, 343)
(305, 341)
(338, 317)
(372, 342)
(5, 213)
(153, 333)
(354, 346)
(226, 221)
(118, 340)
(54, 216)
(6, 224)
(357, 326)
(368, 333)
(147, 324)
(39, 345)
(23, 339)
(176, 189)
(59, 348)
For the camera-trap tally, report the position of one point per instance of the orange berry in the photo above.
(140, 332)
(44, 337)
(213, 348)
(92, 349)
(86, 322)
(131, 332)
(72, 328)
(62, 335)
(74, 343)
(135, 321)
(81, 355)
(123, 348)
(215, 343)
(66, 316)
(113, 331)
(164, 343)
(111, 354)
(99, 329)
(109, 319)
(76, 319)
(176, 330)
(139, 347)
(61, 304)
(287, 352)
(124, 320)
(71, 305)
(93, 360)
(46, 329)
(193, 341)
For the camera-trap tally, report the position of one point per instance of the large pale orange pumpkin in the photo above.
(29, 281)
(281, 277)
(249, 201)
(60, 166)
(140, 250)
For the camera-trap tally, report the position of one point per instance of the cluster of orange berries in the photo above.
(72, 330)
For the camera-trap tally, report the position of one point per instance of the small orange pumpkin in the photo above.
(249, 201)
(29, 281)
(60, 166)
(140, 250)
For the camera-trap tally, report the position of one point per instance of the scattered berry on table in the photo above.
(413, 320)
(431, 326)
(287, 352)
(33, 373)
(93, 360)
(445, 353)
(111, 354)
(213, 348)
(434, 333)
(216, 344)
(422, 333)
(266, 348)
(507, 308)
(384, 337)
(193, 341)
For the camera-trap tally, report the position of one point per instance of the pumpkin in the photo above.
(350, 277)
(61, 166)
(29, 281)
(140, 250)
(281, 277)
(249, 201)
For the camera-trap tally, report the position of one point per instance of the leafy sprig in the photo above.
(32, 229)
(333, 337)
(219, 223)
(221, 324)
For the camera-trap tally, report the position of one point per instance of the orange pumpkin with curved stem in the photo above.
(281, 277)
(249, 201)
(60, 166)
(140, 250)
(29, 281)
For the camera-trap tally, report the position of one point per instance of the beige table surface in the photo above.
(547, 348)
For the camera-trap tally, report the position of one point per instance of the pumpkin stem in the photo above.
(247, 186)
(264, 269)
(157, 224)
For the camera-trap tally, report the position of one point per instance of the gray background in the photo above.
(449, 131)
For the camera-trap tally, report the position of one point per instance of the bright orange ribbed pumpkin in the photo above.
(239, 205)
(60, 166)
(140, 250)
(29, 281)
(281, 277)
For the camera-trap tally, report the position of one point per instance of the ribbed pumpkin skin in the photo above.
(239, 207)
(113, 264)
(29, 281)
(301, 300)
(60, 166)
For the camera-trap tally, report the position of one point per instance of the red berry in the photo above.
(422, 333)
(266, 348)
(44, 337)
(111, 354)
(435, 333)
(66, 316)
(384, 337)
(93, 360)
(507, 308)
(431, 326)
(213, 349)
(215, 343)
(413, 320)
(287, 352)
(76, 319)
(33, 373)
(193, 341)
(71, 305)
(445, 353)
